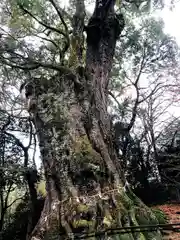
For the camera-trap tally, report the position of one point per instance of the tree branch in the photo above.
(18, 142)
(7, 196)
(25, 149)
(47, 39)
(77, 40)
(151, 93)
(40, 22)
(58, 10)
(32, 65)
(20, 198)
(115, 99)
(134, 111)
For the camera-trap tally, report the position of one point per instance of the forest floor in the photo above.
(173, 212)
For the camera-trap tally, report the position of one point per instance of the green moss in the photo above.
(146, 217)
(162, 218)
(124, 200)
(76, 43)
(126, 236)
(108, 220)
(139, 236)
(121, 213)
(142, 216)
(82, 208)
(41, 188)
(83, 151)
(82, 223)
(82, 145)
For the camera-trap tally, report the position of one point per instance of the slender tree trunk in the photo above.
(2, 219)
(85, 187)
(32, 179)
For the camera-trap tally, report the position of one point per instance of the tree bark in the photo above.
(86, 189)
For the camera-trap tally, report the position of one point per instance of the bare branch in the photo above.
(156, 89)
(17, 199)
(134, 113)
(134, 110)
(18, 142)
(115, 99)
(7, 196)
(47, 39)
(34, 152)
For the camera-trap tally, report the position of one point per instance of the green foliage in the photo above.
(148, 42)
(16, 229)
(32, 5)
(26, 3)
(17, 18)
(83, 151)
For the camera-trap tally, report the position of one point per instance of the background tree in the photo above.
(10, 169)
(18, 168)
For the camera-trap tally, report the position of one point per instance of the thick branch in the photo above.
(32, 65)
(134, 112)
(103, 7)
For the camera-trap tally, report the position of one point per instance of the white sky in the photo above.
(172, 20)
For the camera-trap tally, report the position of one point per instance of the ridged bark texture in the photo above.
(86, 189)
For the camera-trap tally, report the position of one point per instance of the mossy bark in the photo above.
(86, 189)
(83, 196)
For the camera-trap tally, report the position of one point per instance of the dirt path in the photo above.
(173, 211)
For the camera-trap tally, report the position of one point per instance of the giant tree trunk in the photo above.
(86, 189)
